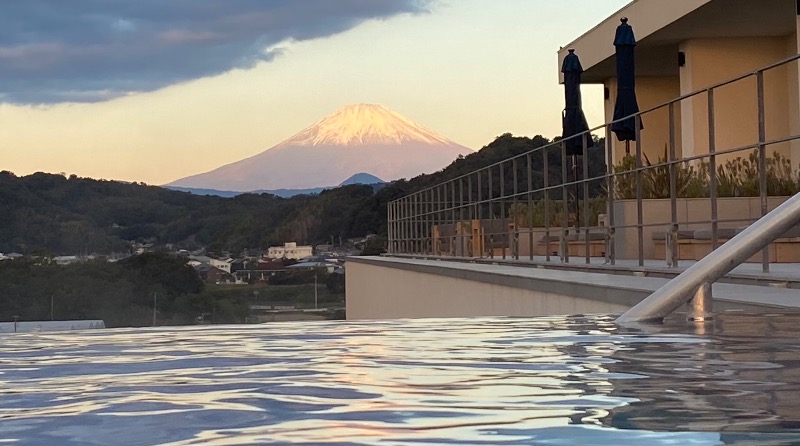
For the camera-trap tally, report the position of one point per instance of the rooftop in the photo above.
(661, 25)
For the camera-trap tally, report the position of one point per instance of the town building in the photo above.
(224, 265)
(290, 250)
(211, 274)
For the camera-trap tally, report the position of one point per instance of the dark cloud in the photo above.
(93, 50)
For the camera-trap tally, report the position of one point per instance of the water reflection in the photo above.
(741, 380)
(544, 381)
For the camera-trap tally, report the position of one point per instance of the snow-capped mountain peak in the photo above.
(361, 124)
(357, 138)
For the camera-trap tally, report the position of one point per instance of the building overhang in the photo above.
(660, 26)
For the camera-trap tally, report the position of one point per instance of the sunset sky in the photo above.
(156, 90)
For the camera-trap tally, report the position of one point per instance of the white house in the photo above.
(224, 265)
(289, 250)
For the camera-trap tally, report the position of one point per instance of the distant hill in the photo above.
(197, 191)
(362, 178)
(284, 193)
(359, 178)
(357, 138)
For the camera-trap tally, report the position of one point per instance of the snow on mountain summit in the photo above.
(362, 124)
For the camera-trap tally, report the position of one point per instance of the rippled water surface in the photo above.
(543, 381)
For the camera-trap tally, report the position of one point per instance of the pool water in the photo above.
(577, 380)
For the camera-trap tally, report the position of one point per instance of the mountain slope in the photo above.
(357, 138)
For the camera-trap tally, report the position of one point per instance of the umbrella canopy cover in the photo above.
(626, 104)
(573, 120)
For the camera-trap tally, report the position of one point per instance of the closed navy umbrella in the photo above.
(626, 105)
(573, 120)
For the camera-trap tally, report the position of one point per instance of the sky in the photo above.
(152, 90)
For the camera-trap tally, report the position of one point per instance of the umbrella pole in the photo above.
(627, 148)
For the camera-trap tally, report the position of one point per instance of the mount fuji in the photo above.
(357, 138)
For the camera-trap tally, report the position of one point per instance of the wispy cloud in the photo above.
(93, 50)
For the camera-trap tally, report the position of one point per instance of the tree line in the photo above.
(50, 214)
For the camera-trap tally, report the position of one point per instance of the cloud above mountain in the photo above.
(93, 50)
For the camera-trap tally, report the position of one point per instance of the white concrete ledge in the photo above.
(368, 287)
(46, 326)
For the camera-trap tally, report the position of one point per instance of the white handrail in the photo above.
(714, 266)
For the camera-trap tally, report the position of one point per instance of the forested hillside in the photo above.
(58, 215)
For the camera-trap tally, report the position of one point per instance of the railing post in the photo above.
(672, 258)
(432, 219)
(480, 214)
(461, 225)
(404, 224)
(470, 216)
(390, 227)
(424, 232)
(712, 171)
(546, 169)
(585, 165)
(491, 214)
(437, 198)
(415, 223)
(429, 221)
(610, 237)
(407, 224)
(639, 192)
(445, 222)
(420, 222)
(762, 161)
(396, 225)
(456, 248)
(529, 211)
(503, 221)
(515, 233)
(564, 240)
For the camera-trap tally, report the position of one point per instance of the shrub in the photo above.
(735, 178)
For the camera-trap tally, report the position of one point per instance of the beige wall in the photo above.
(651, 92)
(793, 74)
(710, 61)
(376, 292)
(657, 213)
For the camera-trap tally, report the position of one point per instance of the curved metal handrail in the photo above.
(694, 284)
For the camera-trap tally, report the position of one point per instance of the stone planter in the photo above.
(693, 214)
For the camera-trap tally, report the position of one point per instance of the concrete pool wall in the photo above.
(393, 287)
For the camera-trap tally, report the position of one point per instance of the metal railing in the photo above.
(539, 205)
